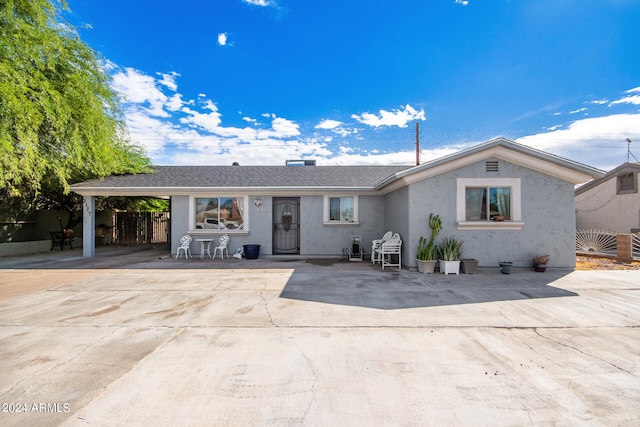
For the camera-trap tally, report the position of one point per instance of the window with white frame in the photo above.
(340, 209)
(488, 203)
(219, 213)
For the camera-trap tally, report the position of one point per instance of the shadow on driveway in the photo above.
(324, 280)
(407, 289)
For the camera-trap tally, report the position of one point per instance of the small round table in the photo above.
(202, 242)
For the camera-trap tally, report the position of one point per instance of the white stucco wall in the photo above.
(600, 207)
(397, 214)
(317, 238)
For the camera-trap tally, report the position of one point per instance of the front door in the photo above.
(286, 225)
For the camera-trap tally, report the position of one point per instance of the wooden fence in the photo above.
(131, 228)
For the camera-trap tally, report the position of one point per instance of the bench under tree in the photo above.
(62, 238)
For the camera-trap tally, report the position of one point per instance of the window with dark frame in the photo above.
(627, 183)
(341, 209)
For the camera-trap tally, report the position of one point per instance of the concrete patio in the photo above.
(138, 338)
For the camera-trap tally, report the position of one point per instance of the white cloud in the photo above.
(175, 102)
(169, 80)
(462, 2)
(284, 128)
(398, 118)
(336, 127)
(222, 39)
(631, 99)
(262, 3)
(595, 141)
(343, 132)
(141, 89)
(206, 121)
(599, 102)
(579, 110)
(328, 124)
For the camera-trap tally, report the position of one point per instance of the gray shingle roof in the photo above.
(193, 177)
(183, 179)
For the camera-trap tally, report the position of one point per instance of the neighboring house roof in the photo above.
(622, 169)
(174, 180)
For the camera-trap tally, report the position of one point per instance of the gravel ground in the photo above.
(584, 262)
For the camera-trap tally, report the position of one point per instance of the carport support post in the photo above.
(89, 226)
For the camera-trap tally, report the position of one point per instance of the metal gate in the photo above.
(131, 228)
(286, 225)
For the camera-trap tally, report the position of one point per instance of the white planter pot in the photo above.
(426, 266)
(449, 267)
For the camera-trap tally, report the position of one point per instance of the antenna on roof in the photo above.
(629, 153)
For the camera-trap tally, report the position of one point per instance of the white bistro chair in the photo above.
(185, 246)
(222, 247)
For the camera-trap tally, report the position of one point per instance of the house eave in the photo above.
(190, 191)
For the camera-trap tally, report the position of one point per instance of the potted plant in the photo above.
(468, 265)
(427, 252)
(540, 263)
(506, 267)
(449, 254)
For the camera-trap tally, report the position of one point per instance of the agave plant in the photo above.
(426, 249)
(450, 249)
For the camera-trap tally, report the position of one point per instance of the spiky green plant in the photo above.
(450, 249)
(426, 249)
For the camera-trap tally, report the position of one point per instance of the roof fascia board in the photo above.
(182, 191)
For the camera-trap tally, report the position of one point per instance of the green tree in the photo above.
(60, 121)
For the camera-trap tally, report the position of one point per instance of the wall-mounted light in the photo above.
(258, 203)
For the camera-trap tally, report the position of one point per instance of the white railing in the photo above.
(593, 240)
(635, 244)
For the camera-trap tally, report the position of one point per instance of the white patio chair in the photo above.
(185, 246)
(222, 247)
(376, 245)
(389, 249)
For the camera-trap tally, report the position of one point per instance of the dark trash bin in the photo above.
(251, 251)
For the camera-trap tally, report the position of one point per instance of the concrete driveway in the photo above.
(142, 339)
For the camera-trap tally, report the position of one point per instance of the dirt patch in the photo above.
(592, 262)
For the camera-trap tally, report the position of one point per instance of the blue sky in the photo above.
(344, 82)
